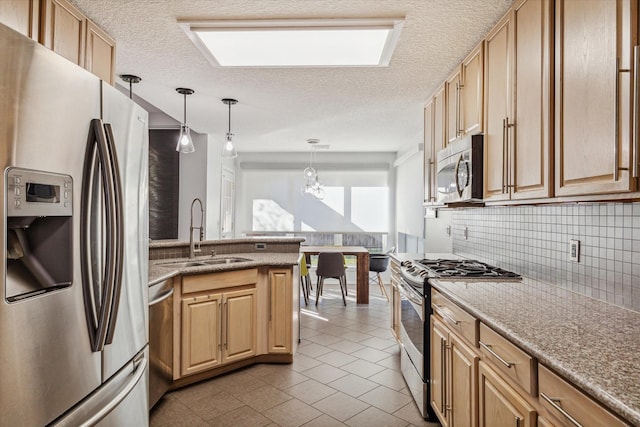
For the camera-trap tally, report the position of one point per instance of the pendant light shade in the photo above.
(185, 143)
(229, 150)
(312, 183)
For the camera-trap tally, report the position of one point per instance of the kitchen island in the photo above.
(235, 304)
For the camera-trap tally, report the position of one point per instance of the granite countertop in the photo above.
(158, 273)
(251, 239)
(593, 344)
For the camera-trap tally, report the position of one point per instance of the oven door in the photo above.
(412, 325)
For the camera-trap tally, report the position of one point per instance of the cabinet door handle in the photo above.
(555, 403)
(226, 326)
(494, 354)
(458, 130)
(517, 421)
(428, 182)
(443, 369)
(270, 302)
(461, 124)
(221, 340)
(636, 111)
(509, 163)
(446, 316)
(504, 154)
(616, 161)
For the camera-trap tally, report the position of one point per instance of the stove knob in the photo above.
(423, 273)
(406, 263)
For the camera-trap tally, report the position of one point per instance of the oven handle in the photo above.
(408, 294)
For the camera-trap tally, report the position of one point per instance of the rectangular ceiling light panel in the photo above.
(296, 43)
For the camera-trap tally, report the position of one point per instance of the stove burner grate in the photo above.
(465, 268)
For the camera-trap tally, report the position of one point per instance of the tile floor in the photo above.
(346, 372)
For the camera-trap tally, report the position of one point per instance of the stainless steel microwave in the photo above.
(459, 171)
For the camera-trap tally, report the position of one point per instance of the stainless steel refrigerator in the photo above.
(73, 303)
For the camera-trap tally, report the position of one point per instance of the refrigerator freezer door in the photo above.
(119, 402)
(128, 123)
(46, 105)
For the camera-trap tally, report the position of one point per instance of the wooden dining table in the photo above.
(362, 266)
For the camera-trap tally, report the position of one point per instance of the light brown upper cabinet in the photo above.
(100, 53)
(472, 91)
(21, 15)
(594, 75)
(517, 114)
(464, 90)
(452, 106)
(68, 32)
(64, 30)
(434, 140)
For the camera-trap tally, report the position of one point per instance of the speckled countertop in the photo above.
(158, 272)
(250, 239)
(593, 344)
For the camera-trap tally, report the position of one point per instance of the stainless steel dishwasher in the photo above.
(160, 339)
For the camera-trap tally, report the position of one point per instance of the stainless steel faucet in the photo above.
(192, 245)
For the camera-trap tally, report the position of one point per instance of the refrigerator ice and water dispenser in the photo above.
(39, 233)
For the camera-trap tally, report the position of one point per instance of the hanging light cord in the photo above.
(229, 131)
(185, 108)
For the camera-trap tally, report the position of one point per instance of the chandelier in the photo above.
(312, 184)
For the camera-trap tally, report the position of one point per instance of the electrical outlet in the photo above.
(574, 250)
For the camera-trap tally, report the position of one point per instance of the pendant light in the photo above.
(309, 172)
(185, 143)
(229, 151)
(131, 79)
(312, 183)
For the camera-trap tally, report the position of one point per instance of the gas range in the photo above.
(416, 272)
(415, 310)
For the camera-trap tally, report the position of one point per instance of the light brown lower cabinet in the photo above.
(500, 405)
(280, 308)
(217, 328)
(569, 406)
(454, 378)
(543, 422)
(201, 333)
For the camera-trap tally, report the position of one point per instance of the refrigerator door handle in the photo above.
(97, 166)
(118, 242)
(107, 398)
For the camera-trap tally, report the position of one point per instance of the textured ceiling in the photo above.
(351, 109)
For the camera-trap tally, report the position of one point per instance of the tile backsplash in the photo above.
(534, 241)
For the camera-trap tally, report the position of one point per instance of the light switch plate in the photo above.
(574, 250)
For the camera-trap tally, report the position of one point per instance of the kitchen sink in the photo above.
(203, 262)
(181, 264)
(230, 260)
